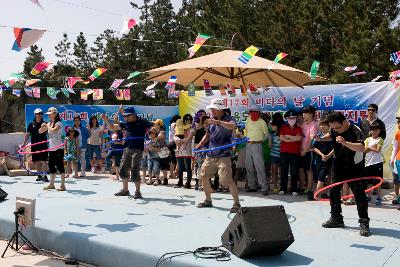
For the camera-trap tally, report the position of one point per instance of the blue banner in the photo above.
(67, 112)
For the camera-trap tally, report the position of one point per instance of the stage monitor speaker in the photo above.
(3, 195)
(258, 231)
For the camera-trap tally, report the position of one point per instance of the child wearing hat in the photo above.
(72, 152)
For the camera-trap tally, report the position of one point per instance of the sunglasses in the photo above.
(372, 109)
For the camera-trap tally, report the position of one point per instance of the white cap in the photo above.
(216, 103)
(37, 111)
(51, 111)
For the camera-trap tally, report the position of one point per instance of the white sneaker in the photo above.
(295, 194)
(93, 170)
(281, 193)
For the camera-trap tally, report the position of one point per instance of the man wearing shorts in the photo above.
(219, 133)
(133, 148)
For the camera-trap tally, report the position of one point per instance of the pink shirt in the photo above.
(309, 130)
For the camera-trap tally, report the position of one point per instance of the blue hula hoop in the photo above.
(119, 140)
(240, 141)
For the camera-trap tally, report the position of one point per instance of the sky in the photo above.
(91, 17)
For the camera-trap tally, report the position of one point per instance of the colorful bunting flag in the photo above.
(31, 82)
(71, 81)
(171, 92)
(129, 85)
(314, 69)
(86, 82)
(359, 73)
(253, 89)
(376, 78)
(52, 92)
(151, 86)
(96, 74)
(84, 95)
(200, 40)
(16, 92)
(222, 90)
(127, 24)
(133, 75)
(116, 83)
(89, 91)
(39, 67)
(243, 90)
(150, 93)
(191, 89)
(279, 57)
(28, 91)
(36, 92)
(97, 94)
(230, 89)
(65, 91)
(171, 82)
(127, 94)
(395, 57)
(350, 69)
(16, 76)
(26, 37)
(119, 94)
(248, 54)
(207, 88)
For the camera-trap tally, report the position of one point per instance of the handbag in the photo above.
(164, 152)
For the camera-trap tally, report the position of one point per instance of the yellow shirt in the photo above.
(256, 130)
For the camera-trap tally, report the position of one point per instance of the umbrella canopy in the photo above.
(223, 67)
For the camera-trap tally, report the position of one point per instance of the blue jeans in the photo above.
(117, 157)
(153, 166)
(187, 164)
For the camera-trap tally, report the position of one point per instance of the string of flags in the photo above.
(26, 37)
(248, 54)
(200, 40)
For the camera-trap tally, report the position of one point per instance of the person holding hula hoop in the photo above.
(219, 133)
(39, 159)
(56, 156)
(349, 163)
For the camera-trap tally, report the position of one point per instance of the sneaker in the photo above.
(334, 223)
(39, 178)
(137, 195)
(295, 194)
(281, 193)
(378, 201)
(45, 179)
(364, 228)
(178, 185)
(122, 193)
(235, 208)
(93, 170)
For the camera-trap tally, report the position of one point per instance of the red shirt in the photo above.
(290, 147)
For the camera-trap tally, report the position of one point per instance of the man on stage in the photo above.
(219, 133)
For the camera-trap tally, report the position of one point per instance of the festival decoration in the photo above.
(314, 69)
(71, 81)
(52, 92)
(28, 91)
(230, 89)
(129, 85)
(248, 54)
(84, 95)
(16, 92)
(350, 69)
(127, 94)
(31, 82)
(26, 37)
(96, 74)
(150, 93)
(253, 89)
(151, 86)
(36, 92)
(359, 73)
(39, 67)
(279, 57)
(116, 83)
(127, 24)
(97, 94)
(119, 94)
(191, 90)
(222, 90)
(376, 78)
(207, 88)
(171, 82)
(65, 91)
(200, 40)
(133, 74)
(395, 57)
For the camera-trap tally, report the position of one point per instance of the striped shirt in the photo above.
(276, 146)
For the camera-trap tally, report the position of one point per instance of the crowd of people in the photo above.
(311, 152)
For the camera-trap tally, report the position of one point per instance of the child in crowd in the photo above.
(71, 145)
(374, 158)
(275, 145)
(116, 151)
(240, 155)
(323, 156)
(153, 159)
(180, 128)
(143, 163)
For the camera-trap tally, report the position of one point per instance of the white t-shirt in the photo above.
(95, 136)
(55, 138)
(372, 158)
(171, 132)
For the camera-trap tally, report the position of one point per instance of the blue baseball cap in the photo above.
(129, 111)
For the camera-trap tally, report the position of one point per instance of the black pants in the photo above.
(357, 187)
(187, 164)
(56, 161)
(289, 160)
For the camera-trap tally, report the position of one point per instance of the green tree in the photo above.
(35, 55)
(82, 56)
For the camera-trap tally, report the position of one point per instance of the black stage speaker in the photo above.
(3, 195)
(258, 231)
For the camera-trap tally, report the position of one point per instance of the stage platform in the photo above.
(89, 224)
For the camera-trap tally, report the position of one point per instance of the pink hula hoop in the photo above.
(21, 152)
(318, 192)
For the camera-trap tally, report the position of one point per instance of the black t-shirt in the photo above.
(325, 147)
(199, 135)
(33, 129)
(347, 160)
(137, 128)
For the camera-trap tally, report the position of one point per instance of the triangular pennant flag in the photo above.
(359, 73)
(350, 69)
(171, 82)
(129, 85)
(89, 91)
(96, 74)
(150, 93)
(133, 74)
(71, 81)
(26, 37)
(200, 40)
(65, 91)
(52, 92)
(243, 90)
(171, 92)
(97, 94)
(222, 90)
(84, 95)
(376, 78)
(279, 57)
(230, 89)
(151, 86)
(128, 24)
(395, 57)
(28, 91)
(191, 89)
(127, 94)
(16, 76)
(207, 88)
(31, 82)
(39, 67)
(248, 54)
(16, 92)
(314, 69)
(119, 94)
(116, 83)
(36, 92)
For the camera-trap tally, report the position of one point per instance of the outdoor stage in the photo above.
(89, 224)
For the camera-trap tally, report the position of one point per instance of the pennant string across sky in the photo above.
(96, 74)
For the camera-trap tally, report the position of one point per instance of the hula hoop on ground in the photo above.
(240, 141)
(318, 192)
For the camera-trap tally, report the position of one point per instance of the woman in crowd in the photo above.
(95, 142)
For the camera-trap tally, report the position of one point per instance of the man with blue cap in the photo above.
(136, 129)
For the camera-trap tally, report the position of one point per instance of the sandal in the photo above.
(205, 204)
(62, 188)
(149, 182)
(235, 208)
(49, 187)
(157, 182)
